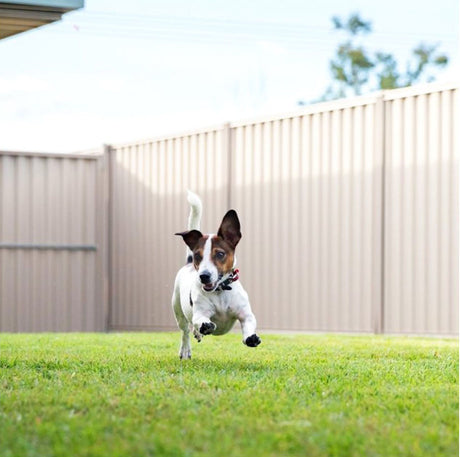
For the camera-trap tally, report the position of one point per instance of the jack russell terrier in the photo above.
(207, 297)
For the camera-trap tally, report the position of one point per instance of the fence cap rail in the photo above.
(52, 247)
(419, 89)
(172, 136)
(314, 108)
(56, 155)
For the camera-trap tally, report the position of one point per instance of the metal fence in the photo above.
(52, 226)
(307, 188)
(349, 215)
(421, 212)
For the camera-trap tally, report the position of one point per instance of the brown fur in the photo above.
(225, 265)
(198, 251)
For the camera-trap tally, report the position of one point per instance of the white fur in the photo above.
(194, 218)
(207, 264)
(196, 209)
(220, 307)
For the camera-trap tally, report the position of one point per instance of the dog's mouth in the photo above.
(209, 287)
(212, 286)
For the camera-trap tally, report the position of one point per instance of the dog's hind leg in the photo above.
(185, 351)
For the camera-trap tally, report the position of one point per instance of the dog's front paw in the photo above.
(207, 328)
(252, 341)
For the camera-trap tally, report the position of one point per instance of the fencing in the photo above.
(307, 188)
(349, 216)
(52, 270)
(421, 212)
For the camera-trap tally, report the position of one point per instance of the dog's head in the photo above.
(213, 255)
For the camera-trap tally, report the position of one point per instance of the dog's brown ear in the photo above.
(191, 238)
(229, 229)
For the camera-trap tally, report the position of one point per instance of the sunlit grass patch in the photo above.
(129, 394)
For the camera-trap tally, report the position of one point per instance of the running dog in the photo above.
(207, 297)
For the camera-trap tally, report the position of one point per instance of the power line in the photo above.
(220, 24)
(189, 38)
(205, 36)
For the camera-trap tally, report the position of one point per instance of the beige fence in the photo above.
(308, 190)
(52, 256)
(320, 197)
(421, 212)
(349, 215)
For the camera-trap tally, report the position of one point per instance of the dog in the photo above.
(208, 298)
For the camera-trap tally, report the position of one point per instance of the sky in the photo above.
(119, 71)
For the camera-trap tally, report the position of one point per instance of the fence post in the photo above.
(378, 217)
(101, 195)
(107, 233)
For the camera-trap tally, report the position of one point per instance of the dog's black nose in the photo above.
(205, 277)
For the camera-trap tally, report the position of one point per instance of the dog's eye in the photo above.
(197, 257)
(220, 255)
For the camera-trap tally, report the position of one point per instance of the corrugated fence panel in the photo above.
(421, 212)
(304, 189)
(349, 215)
(149, 189)
(48, 202)
(331, 242)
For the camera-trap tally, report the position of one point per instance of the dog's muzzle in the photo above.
(205, 278)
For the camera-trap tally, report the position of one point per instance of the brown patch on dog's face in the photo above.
(198, 251)
(222, 255)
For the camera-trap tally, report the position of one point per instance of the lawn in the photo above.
(295, 395)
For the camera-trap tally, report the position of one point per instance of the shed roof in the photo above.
(18, 16)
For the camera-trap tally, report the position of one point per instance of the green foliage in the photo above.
(355, 70)
(351, 67)
(354, 25)
(130, 395)
(388, 75)
(424, 57)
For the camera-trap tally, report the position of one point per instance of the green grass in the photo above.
(130, 395)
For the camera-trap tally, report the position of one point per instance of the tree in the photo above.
(352, 64)
(355, 70)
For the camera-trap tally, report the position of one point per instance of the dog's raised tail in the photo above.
(194, 218)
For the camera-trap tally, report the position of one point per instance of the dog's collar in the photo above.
(225, 285)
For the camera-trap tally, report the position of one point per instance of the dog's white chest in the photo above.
(223, 307)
